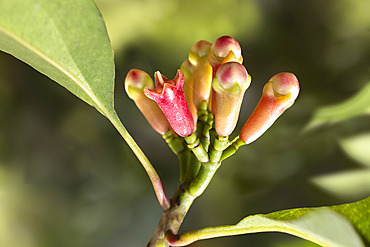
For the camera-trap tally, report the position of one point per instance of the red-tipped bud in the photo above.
(135, 82)
(229, 86)
(224, 49)
(278, 95)
(202, 71)
(170, 97)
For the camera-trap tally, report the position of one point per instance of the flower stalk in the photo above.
(202, 119)
(178, 147)
(196, 147)
(206, 135)
(204, 125)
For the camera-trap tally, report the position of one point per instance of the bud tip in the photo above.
(223, 45)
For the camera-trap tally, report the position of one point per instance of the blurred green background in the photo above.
(68, 179)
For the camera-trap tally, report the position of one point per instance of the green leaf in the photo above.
(295, 243)
(357, 147)
(336, 226)
(358, 213)
(65, 40)
(349, 185)
(355, 106)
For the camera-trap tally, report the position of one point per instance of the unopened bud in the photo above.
(225, 49)
(278, 95)
(202, 71)
(187, 69)
(229, 86)
(135, 82)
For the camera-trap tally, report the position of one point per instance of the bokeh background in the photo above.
(68, 179)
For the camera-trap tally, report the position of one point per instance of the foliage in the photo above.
(307, 223)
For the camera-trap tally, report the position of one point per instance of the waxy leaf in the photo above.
(357, 105)
(65, 40)
(353, 184)
(357, 147)
(337, 226)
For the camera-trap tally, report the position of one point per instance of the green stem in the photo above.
(193, 169)
(172, 219)
(219, 145)
(184, 160)
(199, 174)
(178, 147)
(203, 178)
(202, 117)
(206, 139)
(197, 148)
(176, 144)
(184, 197)
(203, 124)
(153, 175)
(230, 150)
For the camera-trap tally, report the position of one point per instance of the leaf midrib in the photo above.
(25, 44)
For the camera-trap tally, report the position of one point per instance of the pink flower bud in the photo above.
(202, 71)
(229, 86)
(278, 95)
(135, 82)
(224, 49)
(170, 97)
